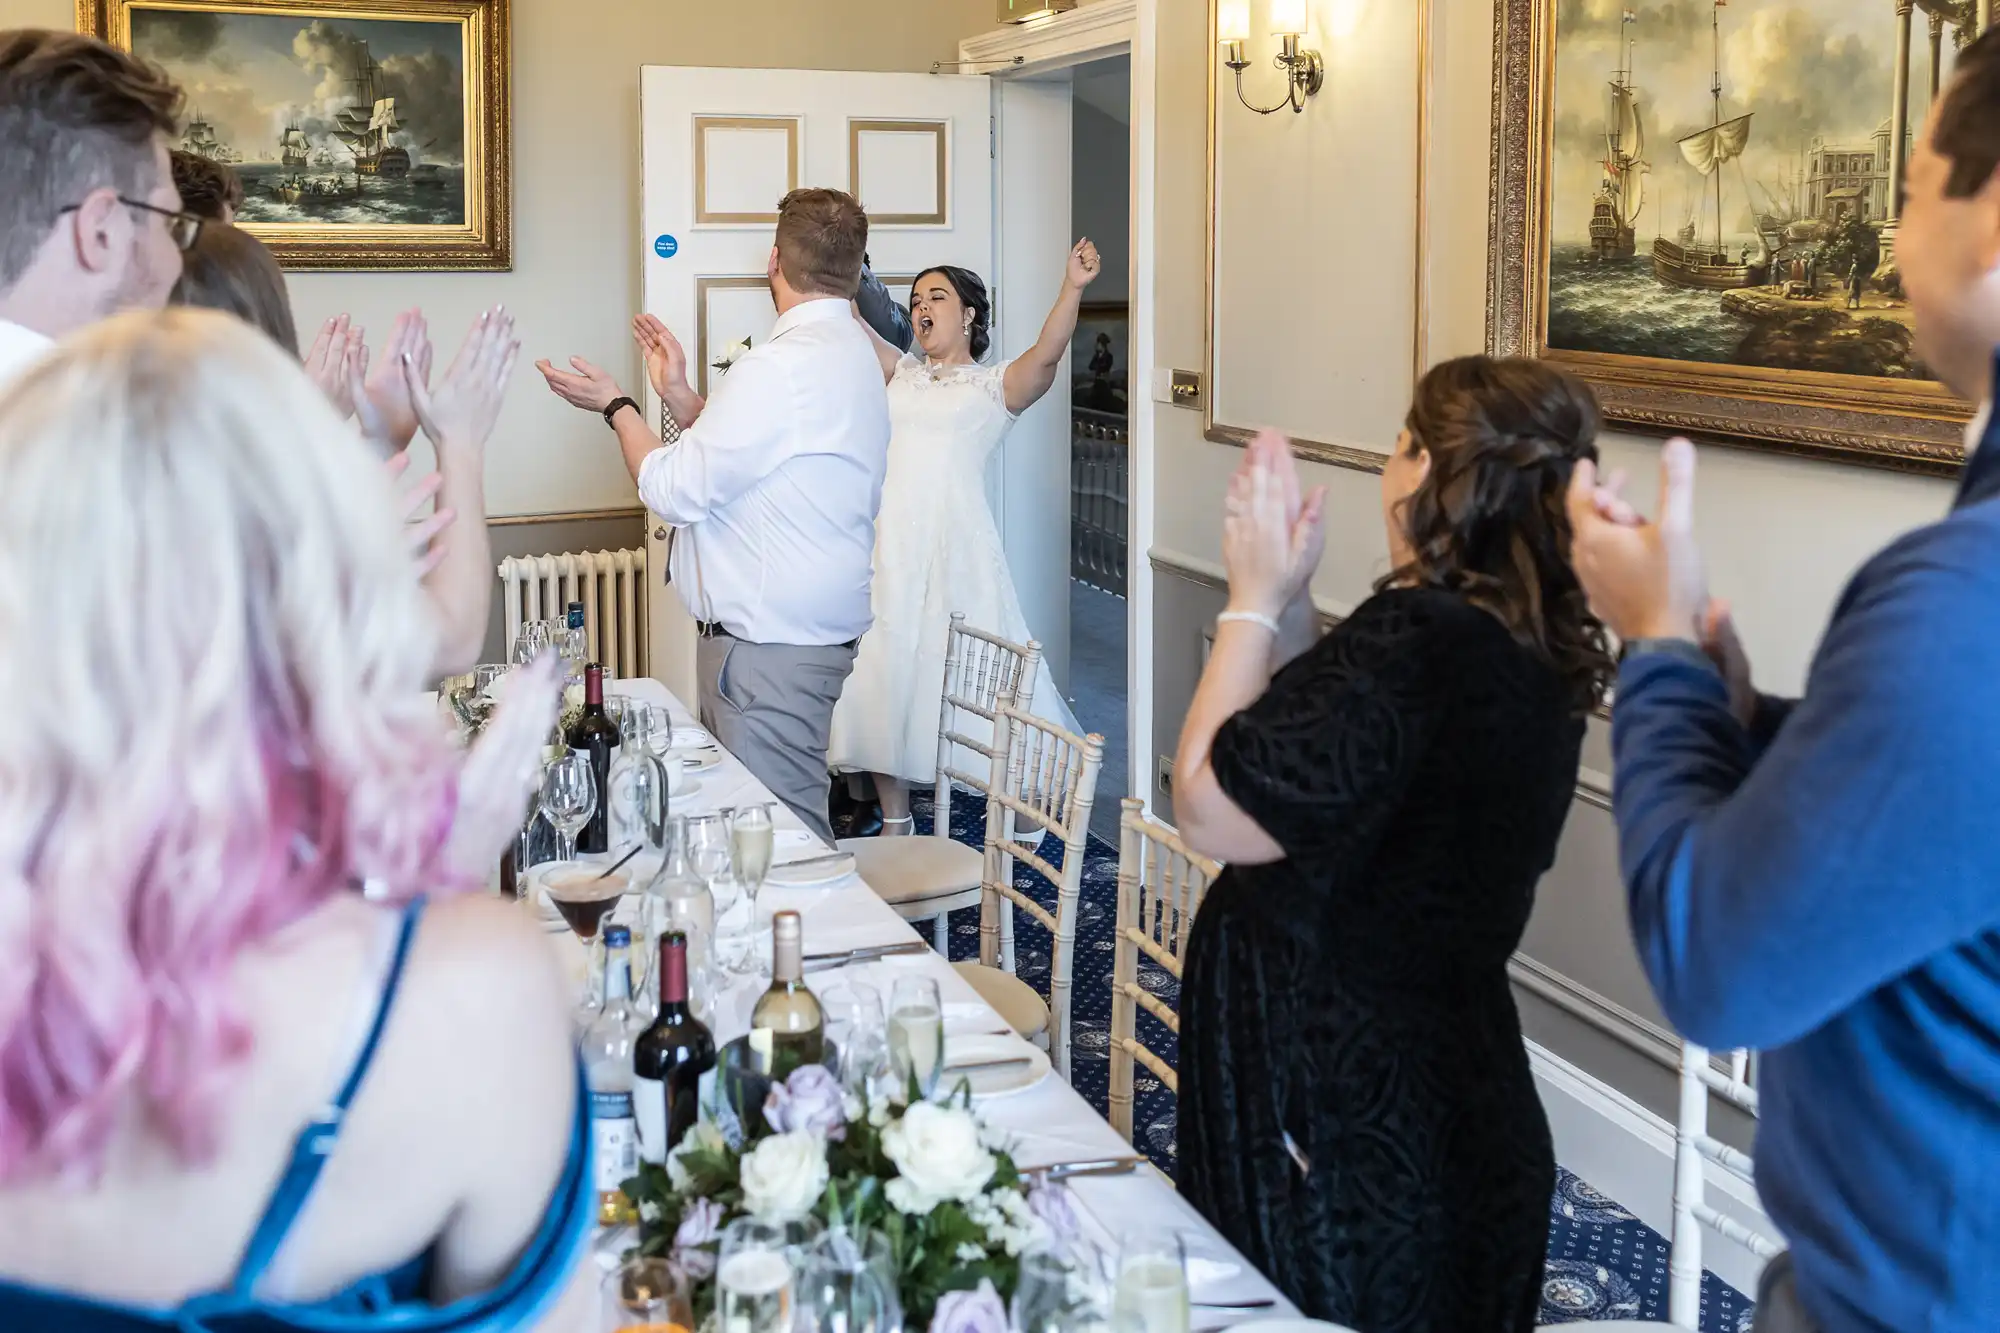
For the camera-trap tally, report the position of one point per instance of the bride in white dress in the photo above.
(937, 549)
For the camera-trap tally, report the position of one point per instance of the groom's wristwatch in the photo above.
(611, 410)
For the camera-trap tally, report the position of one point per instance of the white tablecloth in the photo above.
(1048, 1124)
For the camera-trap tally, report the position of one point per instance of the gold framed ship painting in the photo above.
(1694, 207)
(368, 134)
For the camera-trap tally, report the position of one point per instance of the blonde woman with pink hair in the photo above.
(236, 1091)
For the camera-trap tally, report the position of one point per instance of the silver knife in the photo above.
(812, 860)
(1109, 1166)
(827, 961)
(1002, 1062)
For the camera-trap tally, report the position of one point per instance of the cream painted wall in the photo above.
(577, 248)
(1782, 535)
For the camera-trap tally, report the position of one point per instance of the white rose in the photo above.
(938, 1156)
(784, 1176)
(704, 1137)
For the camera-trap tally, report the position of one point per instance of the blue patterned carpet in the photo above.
(1603, 1262)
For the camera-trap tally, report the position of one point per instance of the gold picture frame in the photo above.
(940, 132)
(702, 125)
(462, 210)
(1910, 425)
(1321, 451)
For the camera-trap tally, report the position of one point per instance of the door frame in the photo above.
(1094, 32)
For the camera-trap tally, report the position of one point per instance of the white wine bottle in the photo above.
(787, 1028)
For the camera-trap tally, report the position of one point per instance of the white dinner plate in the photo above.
(812, 875)
(697, 758)
(1298, 1326)
(999, 1082)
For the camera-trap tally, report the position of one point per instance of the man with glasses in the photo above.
(90, 221)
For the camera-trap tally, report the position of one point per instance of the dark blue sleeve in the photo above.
(889, 320)
(1770, 891)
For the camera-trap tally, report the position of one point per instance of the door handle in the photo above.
(660, 533)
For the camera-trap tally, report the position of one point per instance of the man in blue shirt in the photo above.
(1820, 879)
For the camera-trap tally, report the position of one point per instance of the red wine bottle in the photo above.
(597, 736)
(669, 1059)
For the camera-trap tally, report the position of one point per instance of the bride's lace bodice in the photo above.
(944, 423)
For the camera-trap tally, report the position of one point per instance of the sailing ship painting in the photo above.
(1622, 197)
(362, 121)
(1764, 236)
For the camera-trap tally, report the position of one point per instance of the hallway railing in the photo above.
(1100, 463)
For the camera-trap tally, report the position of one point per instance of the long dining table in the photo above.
(1048, 1124)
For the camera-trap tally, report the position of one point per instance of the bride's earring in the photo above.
(968, 323)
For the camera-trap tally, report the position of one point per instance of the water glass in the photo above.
(754, 1280)
(1151, 1291)
(1053, 1296)
(569, 797)
(646, 1296)
(486, 675)
(659, 728)
(847, 1284)
(916, 1035)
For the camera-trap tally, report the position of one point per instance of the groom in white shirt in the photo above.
(772, 488)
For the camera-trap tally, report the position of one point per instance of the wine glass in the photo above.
(855, 1028)
(1053, 1296)
(660, 729)
(1151, 1292)
(846, 1283)
(750, 839)
(530, 640)
(646, 1296)
(708, 849)
(754, 1279)
(486, 675)
(916, 1035)
(569, 798)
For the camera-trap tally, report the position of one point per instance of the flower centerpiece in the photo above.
(929, 1177)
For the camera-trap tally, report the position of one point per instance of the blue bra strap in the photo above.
(316, 1141)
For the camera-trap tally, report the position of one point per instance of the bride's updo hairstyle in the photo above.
(211, 716)
(1490, 520)
(972, 295)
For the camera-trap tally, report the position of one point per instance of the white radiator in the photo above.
(610, 584)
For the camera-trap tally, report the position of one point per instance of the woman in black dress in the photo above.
(1356, 1110)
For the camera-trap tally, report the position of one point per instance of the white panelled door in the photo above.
(722, 146)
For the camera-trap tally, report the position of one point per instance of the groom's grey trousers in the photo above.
(771, 705)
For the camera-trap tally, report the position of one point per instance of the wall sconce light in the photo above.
(1304, 71)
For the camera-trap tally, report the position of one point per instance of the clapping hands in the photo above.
(465, 406)
(666, 359)
(1272, 536)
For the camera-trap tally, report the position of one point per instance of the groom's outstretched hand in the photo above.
(583, 385)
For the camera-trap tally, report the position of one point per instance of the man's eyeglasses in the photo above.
(183, 228)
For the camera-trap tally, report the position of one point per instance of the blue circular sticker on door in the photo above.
(665, 246)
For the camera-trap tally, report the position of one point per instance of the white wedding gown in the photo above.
(937, 551)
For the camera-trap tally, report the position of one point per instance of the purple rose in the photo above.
(1053, 1205)
(700, 1225)
(977, 1311)
(811, 1099)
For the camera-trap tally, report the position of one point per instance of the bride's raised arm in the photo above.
(885, 351)
(1030, 374)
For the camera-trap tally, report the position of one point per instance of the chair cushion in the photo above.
(911, 870)
(1012, 998)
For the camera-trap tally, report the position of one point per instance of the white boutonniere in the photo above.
(730, 355)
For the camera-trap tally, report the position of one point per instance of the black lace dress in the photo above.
(1356, 1110)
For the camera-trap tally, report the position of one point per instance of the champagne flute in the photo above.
(916, 1035)
(1151, 1293)
(750, 839)
(753, 1280)
(569, 798)
(646, 1296)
